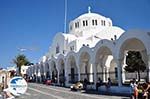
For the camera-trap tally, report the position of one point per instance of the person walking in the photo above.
(133, 89)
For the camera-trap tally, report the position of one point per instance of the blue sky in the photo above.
(34, 23)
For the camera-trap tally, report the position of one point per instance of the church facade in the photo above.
(93, 48)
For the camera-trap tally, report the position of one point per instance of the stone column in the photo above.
(124, 64)
(36, 73)
(50, 72)
(58, 77)
(30, 71)
(82, 71)
(39, 75)
(91, 73)
(78, 69)
(33, 70)
(107, 73)
(95, 73)
(66, 74)
(119, 71)
(66, 77)
(79, 76)
(44, 70)
(104, 73)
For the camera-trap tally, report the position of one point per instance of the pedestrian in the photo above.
(98, 84)
(55, 80)
(64, 80)
(85, 83)
(133, 89)
(147, 90)
(108, 84)
(140, 91)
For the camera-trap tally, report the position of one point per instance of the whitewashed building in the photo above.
(93, 48)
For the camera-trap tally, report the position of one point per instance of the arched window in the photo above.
(75, 25)
(104, 23)
(109, 24)
(115, 37)
(85, 23)
(71, 27)
(57, 49)
(94, 22)
(78, 24)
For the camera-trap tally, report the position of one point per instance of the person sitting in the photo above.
(147, 90)
(140, 91)
(99, 83)
(8, 94)
(108, 84)
(85, 83)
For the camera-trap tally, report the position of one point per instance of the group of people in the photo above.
(139, 90)
(100, 83)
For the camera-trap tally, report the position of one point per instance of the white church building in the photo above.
(93, 48)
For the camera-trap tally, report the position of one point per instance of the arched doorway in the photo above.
(135, 45)
(61, 65)
(42, 73)
(86, 69)
(47, 71)
(38, 73)
(72, 70)
(34, 73)
(105, 65)
(54, 72)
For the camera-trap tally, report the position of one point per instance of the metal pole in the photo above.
(65, 20)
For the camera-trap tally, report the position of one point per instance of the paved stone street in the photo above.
(40, 91)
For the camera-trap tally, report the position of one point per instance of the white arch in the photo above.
(60, 57)
(47, 66)
(68, 67)
(71, 53)
(53, 60)
(137, 37)
(87, 50)
(38, 70)
(85, 64)
(104, 51)
(47, 69)
(133, 34)
(34, 69)
(41, 68)
(110, 45)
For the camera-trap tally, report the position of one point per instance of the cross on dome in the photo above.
(89, 9)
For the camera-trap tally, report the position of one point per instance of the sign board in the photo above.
(17, 85)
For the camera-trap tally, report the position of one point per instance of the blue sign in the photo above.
(17, 85)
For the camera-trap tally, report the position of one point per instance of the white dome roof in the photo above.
(89, 15)
(90, 22)
(109, 32)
